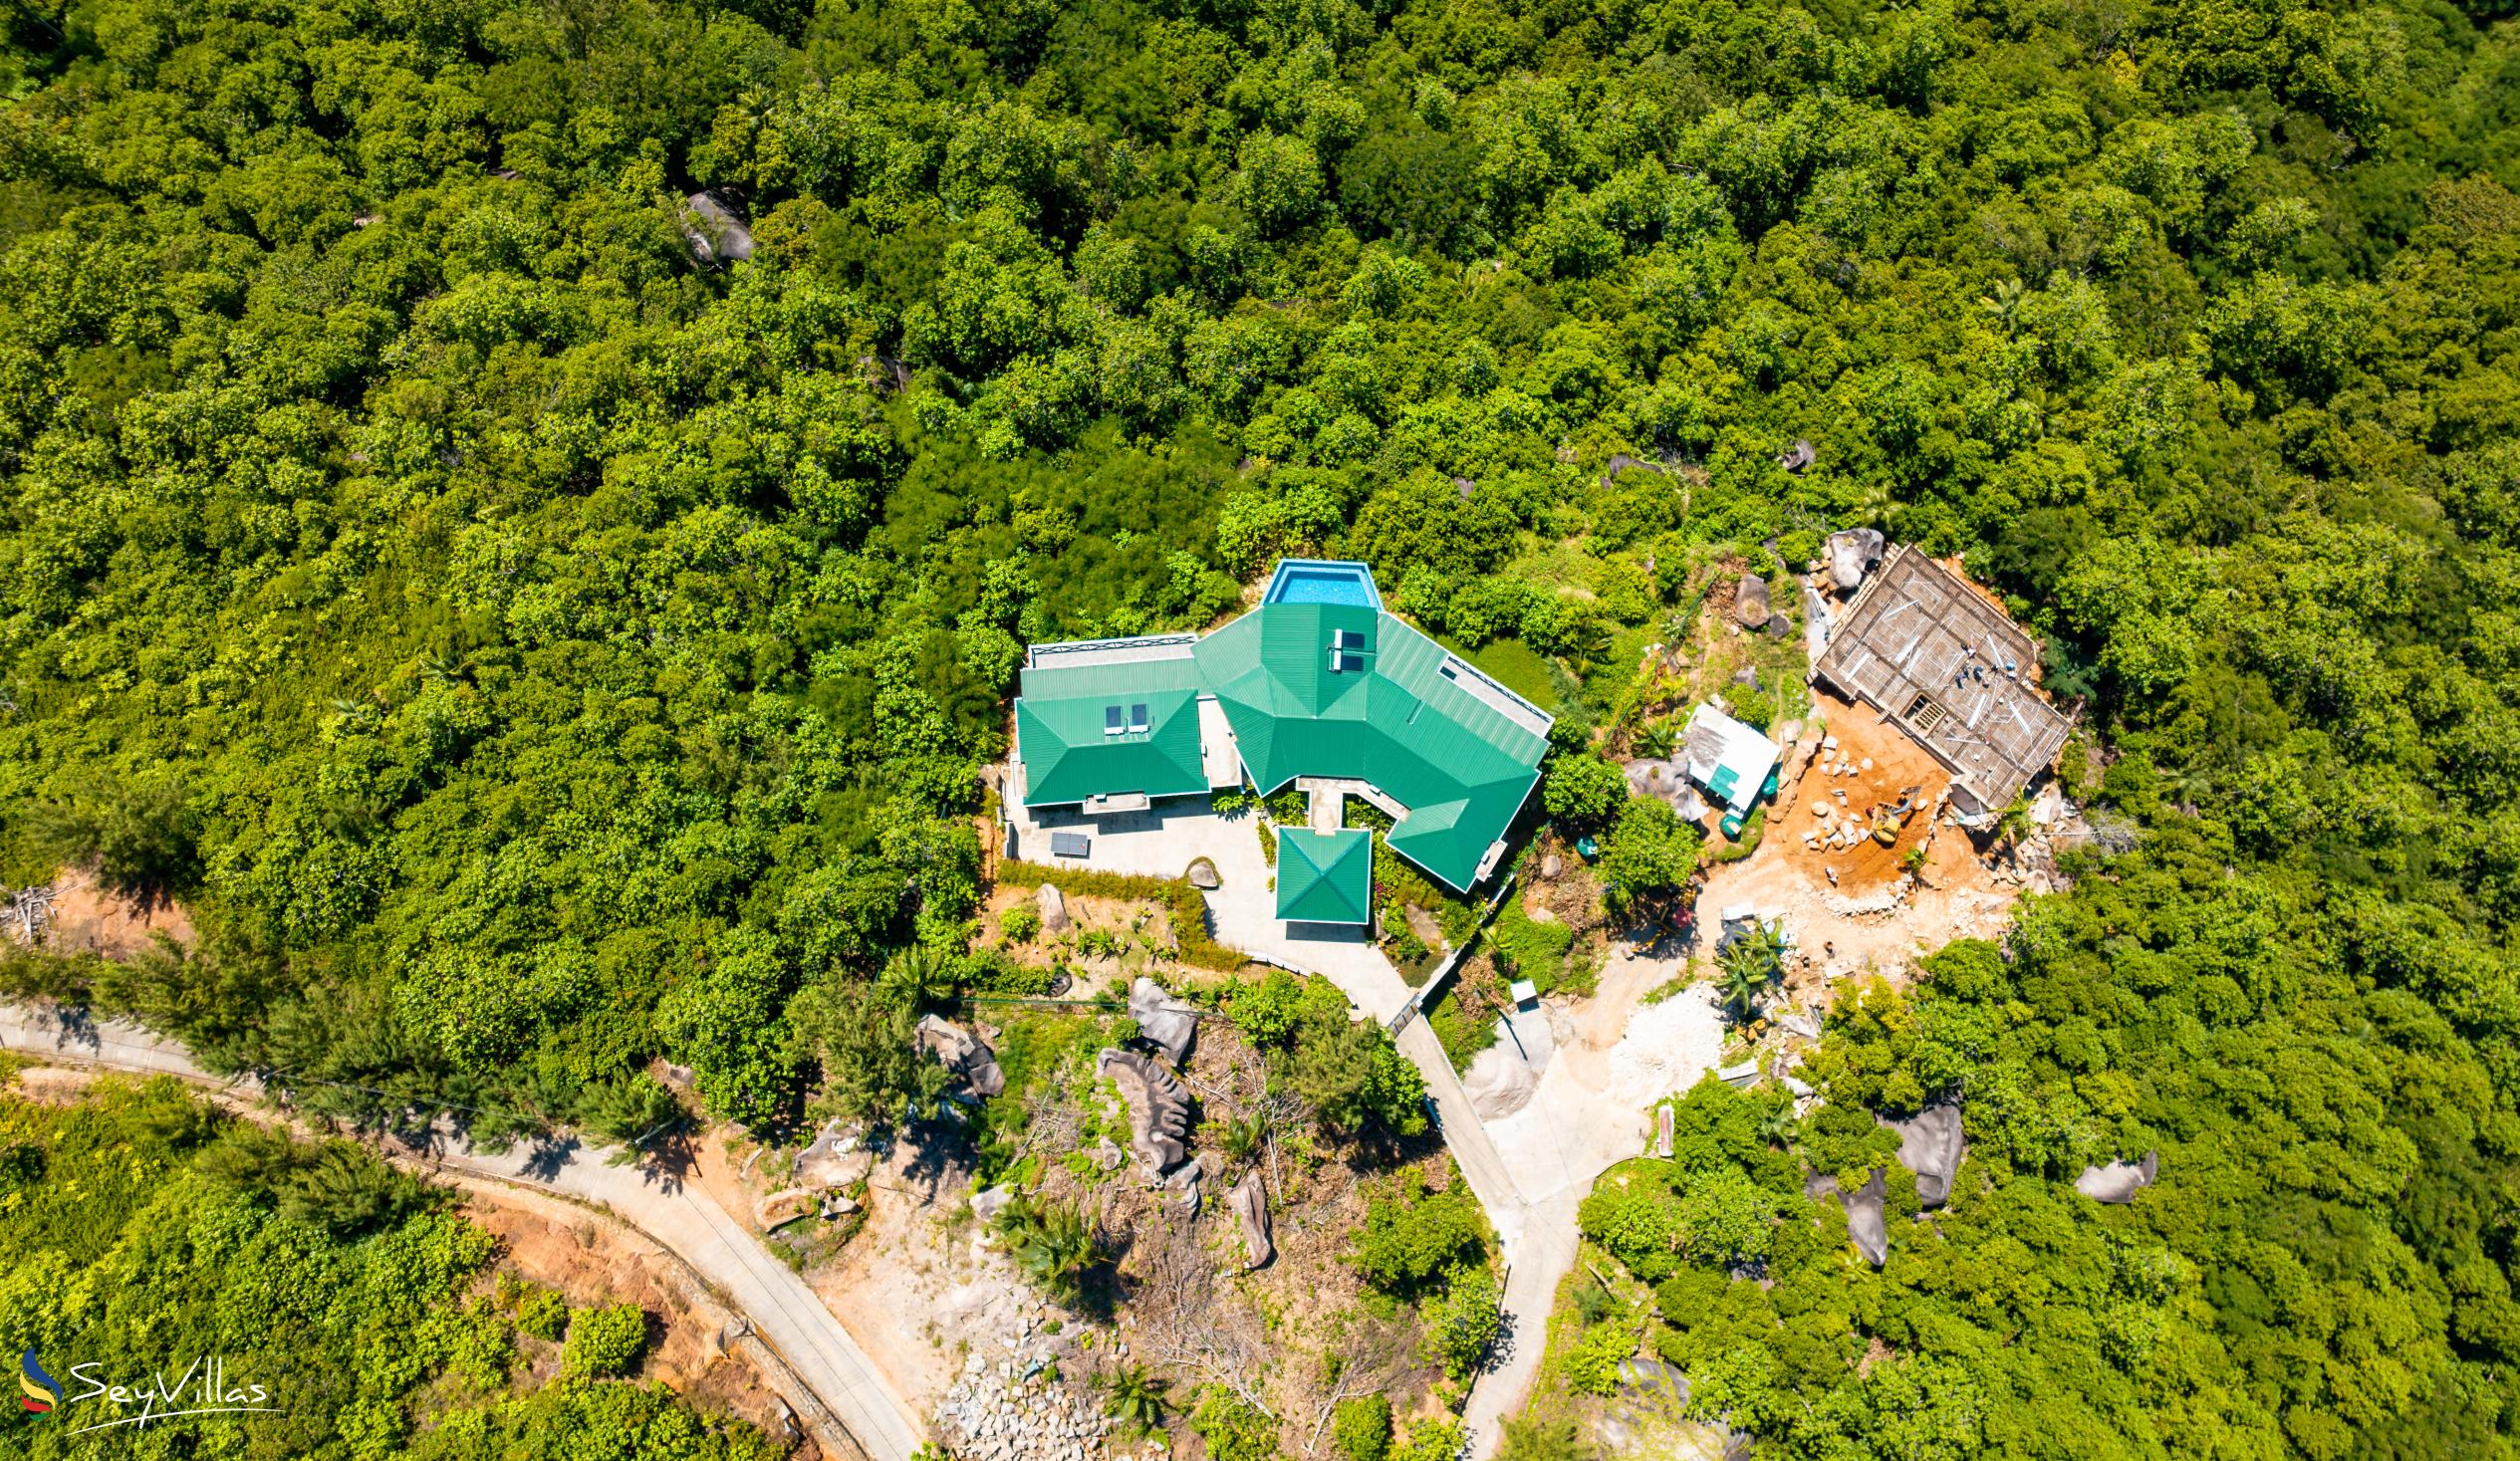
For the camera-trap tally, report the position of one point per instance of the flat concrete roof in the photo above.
(1948, 666)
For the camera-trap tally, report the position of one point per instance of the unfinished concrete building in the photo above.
(1947, 665)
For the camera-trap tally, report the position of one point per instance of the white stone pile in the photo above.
(995, 1413)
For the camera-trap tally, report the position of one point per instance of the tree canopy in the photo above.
(530, 648)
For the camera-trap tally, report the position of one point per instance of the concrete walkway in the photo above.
(677, 1216)
(1531, 1170)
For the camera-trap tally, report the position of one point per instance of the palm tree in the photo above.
(1132, 1397)
(445, 667)
(1242, 1139)
(1656, 741)
(911, 976)
(1747, 966)
(1587, 645)
(2005, 305)
(1053, 1243)
(1872, 507)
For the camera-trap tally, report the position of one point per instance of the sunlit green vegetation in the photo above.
(140, 1230)
(528, 651)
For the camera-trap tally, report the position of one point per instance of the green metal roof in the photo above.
(1069, 753)
(1310, 689)
(1396, 720)
(1054, 681)
(1326, 876)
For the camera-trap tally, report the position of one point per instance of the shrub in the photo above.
(1406, 1242)
(1583, 790)
(1591, 1363)
(1650, 853)
(1362, 1429)
(1351, 1076)
(604, 1342)
(544, 1314)
(1463, 1320)
(1234, 1428)
(1020, 923)
(1439, 1439)
(1529, 948)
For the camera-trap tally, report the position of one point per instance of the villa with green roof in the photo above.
(1319, 687)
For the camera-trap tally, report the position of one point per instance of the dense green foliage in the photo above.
(604, 1342)
(1346, 1073)
(140, 1230)
(1362, 1428)
(529, 651)
(1412, 1238)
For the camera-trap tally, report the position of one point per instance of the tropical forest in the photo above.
(521, 524)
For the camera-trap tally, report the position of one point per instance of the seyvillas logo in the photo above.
(202, 1389)
(37, 1391)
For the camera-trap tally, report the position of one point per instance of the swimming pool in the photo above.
(1304, 581)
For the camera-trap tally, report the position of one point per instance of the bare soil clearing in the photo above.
(1874, 917)
(87, 916)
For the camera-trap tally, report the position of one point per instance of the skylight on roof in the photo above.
(1347, 650)
(1114, 720)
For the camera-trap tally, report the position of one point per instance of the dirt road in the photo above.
(678, 1217)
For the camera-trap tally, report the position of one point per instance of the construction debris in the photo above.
(1947, 665)
(28, 912)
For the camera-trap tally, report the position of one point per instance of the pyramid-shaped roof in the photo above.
(1326, 876)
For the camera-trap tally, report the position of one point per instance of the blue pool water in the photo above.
(1324, 582)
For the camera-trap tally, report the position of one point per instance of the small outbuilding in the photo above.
(1733, 763)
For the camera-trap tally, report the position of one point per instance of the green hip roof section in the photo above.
(1325, 877)
(1337, 690)
(1068, 757)
(1459, 766)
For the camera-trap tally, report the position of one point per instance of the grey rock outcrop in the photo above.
(1202, 875)
(1750, 606)
(1930, 1144)
(960, 1051)
(1865, 1221)
(2119, 1181)
(988, 1202)
(1851, 555)
(1053, 909)
(714, 230)
(834, 1159)
(1250, 1203)
(1797, 459)
(1158, 1108)
(1623, 463)
(1164, 1021)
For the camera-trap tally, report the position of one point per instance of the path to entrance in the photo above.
(1530, 1170)
(677, 1216)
